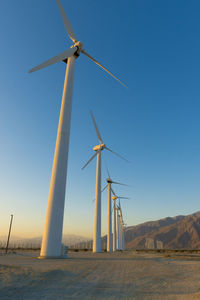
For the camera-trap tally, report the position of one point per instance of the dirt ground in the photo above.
(84, 275)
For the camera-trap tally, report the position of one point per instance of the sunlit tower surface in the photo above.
(52, 236)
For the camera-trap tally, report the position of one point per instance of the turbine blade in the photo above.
(113, 192)
(102, 191)
(96, 128)
(60, 57)
(67, 24)
(104, 188)
(123, 198)
(122, 216)
(108, 171)
(117, 154)
(119, 183)
(120, 210)
(90, 159)
(119, 204)
(96, 62)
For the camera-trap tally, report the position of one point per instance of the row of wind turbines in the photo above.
(118, 223)
(115, 240)
(52, 236)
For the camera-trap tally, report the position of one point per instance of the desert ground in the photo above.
(84, 275)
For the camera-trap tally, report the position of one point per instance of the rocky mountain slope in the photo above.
(180, 232)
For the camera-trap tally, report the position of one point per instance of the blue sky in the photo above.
(152, 46)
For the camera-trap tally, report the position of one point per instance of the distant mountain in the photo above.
(181, 232)
(71, 239)
(68, 239)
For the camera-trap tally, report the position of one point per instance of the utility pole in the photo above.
(9, 233)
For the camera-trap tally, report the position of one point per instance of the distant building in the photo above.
(159, 245)
(149, 243)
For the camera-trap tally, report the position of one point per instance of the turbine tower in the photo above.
(123, 236)
(115, 220)
(109, 232)
(52, 236)
(121, 232)
(118, 228)
(114, 198)
(97, 213)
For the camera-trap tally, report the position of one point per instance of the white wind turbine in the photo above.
(109, 234)
(115, 220)
(121, 228)
(118, 227)
(123, 236)
(52, 236)
(97, 213)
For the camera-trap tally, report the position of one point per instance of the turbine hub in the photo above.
(79, 46)
(99, 147)
(108, 180)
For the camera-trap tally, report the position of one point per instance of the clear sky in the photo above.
(152, 46)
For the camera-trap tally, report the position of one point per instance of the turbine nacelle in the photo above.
(114, 197)
(108, 180)
(79, 46)
(99, 147)
(74, 50)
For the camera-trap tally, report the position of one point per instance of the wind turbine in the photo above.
(109, 234)
(115, 208)
(52, 236)
(97, 213)
(121, 228)
(123, 236)
(118, 227)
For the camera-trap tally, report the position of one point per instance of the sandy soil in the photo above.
(85, 275)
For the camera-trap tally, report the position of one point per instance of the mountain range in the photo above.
(180, 232)
(68, 239)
